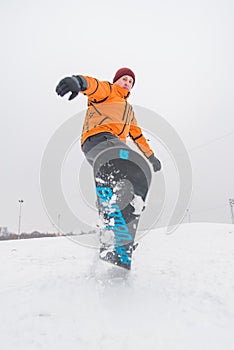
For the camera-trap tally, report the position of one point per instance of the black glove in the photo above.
(155, 162)
(73, 84)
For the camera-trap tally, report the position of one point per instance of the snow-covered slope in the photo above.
(55, 294)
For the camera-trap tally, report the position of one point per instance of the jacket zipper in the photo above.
(125, 119)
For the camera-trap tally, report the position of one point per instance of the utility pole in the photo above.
(59, 216)
(188, 215)
(231, 202)
(20, 211)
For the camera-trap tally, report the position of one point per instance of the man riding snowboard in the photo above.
(108, 122)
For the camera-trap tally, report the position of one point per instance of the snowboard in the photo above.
(122, 180)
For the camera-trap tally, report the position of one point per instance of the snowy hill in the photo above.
(54, 294)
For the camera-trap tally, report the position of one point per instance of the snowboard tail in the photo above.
(122, 179)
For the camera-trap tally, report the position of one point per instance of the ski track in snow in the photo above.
(56, 294)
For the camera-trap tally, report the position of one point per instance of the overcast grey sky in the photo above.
(182, 53)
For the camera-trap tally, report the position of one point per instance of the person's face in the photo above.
(125, 82)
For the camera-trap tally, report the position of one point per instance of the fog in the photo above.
(182, 54)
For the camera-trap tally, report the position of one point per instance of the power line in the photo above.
(202, 145)
(211, 141)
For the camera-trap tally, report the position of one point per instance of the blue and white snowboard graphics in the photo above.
(122, 178)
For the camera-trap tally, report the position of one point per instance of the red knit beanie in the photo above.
(124, 71)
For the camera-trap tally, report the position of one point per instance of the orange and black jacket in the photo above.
(109, 111)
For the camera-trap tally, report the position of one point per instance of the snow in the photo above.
(56, 294)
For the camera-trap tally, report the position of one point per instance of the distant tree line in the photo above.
(34, 234)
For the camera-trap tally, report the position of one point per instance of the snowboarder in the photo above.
(109, 119)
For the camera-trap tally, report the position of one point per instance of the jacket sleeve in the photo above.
(97, 90)
(136, 135)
